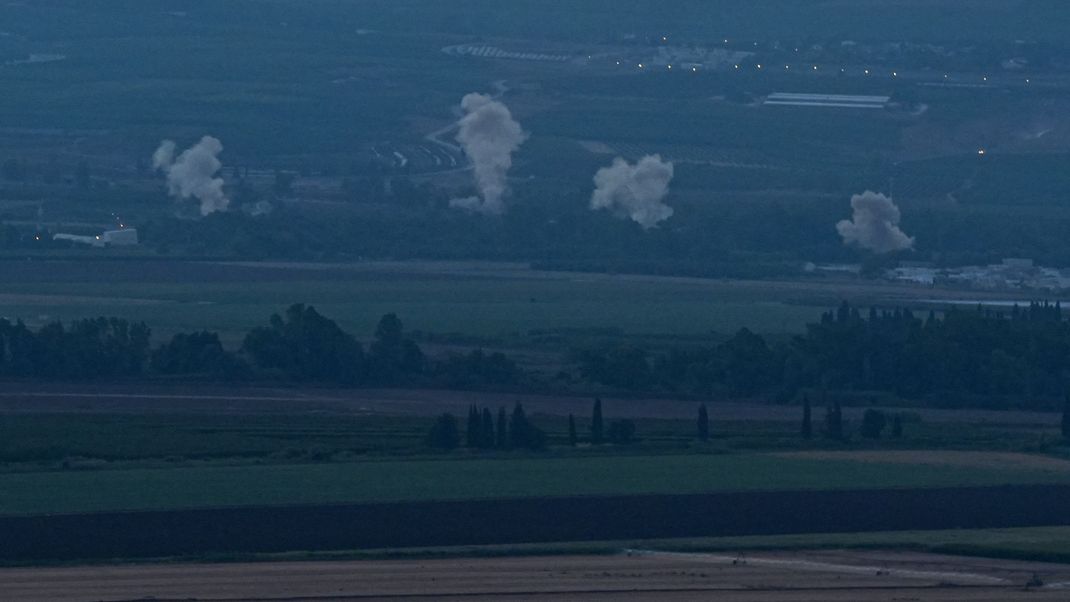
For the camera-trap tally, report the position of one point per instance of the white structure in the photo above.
(493, 52)
(127, 237)
(715, 59)
(843, 101)
(1011, 274)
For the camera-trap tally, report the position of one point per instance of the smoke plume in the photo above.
(635, 191)
(874, 224)
(489, 135)
(193, 173)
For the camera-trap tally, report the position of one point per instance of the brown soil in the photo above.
(797, 577)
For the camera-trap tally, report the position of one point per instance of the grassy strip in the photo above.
(447, 479)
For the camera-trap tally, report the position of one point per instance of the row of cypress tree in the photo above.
(516, 431)
(507, 432)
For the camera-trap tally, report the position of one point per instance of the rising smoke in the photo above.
(193, 173)
(489, 135)
(635, 191)
(874, 224)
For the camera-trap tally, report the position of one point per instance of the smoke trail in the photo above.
(193, 173)
(635, 191)
(489, 135)
(874, 224)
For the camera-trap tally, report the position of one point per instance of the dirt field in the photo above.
(827, 576)
(221, 399)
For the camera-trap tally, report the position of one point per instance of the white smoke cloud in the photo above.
(874, 224)
(193, 173)
(489, 135)
(164, 156)
(635, 191)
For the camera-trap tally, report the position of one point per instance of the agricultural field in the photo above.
(189, 446)
(483, 300)
(833, 576)
(498, 302)
(444, 479)
(343, 155)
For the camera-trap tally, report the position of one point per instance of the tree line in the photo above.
(975, 357)
(300, 345)
(487, 431)
(515, 431)
(965, 357)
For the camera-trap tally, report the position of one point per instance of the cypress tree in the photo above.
(523, 434)
(487, 433)
(573, 439)
(597, 428)
(873, 423)
(503, 429)
(472, 435)
(834, 421)
(897, 427)
(518, 427)
(703, 423)
(807, 419)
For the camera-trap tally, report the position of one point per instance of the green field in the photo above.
(89, 455)
(36, 492)
(144, 436)
(430, 298)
